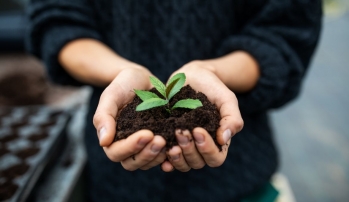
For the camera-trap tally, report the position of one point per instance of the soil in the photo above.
(5, 112)
(162, 123)
(23, 82)
(22, 89)
(28, 152)
(16, 126)
(37, 137)
(3, 151)
(8, 138)
(48, 123)
(15, 171)
(7, 190)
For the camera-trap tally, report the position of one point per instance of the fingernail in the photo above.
(142, 142)
(179, 131)
(173, 158)
(182, 140)
(155, 148)
(102, 133)
(199, 138)
(226, 135)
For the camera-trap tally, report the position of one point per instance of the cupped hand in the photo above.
(141, 150)
(197, 149)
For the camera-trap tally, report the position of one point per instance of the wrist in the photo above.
(141, 68)
(239, 71)
(196, 65)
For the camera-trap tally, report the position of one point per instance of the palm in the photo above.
(204, 151)
(141, 150)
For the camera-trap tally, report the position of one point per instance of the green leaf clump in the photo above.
(173, 86)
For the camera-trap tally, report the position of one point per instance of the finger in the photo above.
(105, 126)
(208, 149)
(190, 153)
(146, 155)
(176, 158)
(105, 115)
(104, 120)
(231, 121)
(160, 158)
(125, 148)
(166, 166)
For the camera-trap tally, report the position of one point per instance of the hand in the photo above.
(196, 154)
(141, 150)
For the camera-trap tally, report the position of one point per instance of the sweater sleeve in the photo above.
(282, 37)
(54, 23)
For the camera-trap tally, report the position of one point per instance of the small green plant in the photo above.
(173, 86)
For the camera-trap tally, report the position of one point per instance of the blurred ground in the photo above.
(313, 132)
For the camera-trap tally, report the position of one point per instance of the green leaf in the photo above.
(170, 87)
(145, 95)
(175, 77)
(175, 84)
(158, 85)
(188, 103)
(151, 103)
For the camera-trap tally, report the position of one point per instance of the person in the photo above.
(246, 56)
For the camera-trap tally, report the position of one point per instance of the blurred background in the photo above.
(312, 132)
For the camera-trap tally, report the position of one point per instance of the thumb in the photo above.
(105, 126)
(231, 121)
(104, 119)
(114, 97)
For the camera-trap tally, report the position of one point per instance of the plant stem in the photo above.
(168, 107)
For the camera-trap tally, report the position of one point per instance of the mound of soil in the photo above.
(163, 123)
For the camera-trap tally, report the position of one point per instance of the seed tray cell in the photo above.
(31, 138)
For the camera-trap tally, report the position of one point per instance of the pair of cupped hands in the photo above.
(144, 149)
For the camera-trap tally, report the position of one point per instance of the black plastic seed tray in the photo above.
(31, 139)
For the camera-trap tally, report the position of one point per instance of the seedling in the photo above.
(173, 86)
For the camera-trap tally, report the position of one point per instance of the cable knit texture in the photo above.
(163, 36)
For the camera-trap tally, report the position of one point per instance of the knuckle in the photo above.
(105, 93)
(195, 62)
(160, 159)
(112, 158)
(97, 118)
(198, 166)
(186, 169)
(204, 151)
(156, 162)
(127, 166)
(239, 125)
(144, 168)
(149, 157)
(215, 164)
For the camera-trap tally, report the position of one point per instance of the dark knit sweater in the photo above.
(163, 36)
